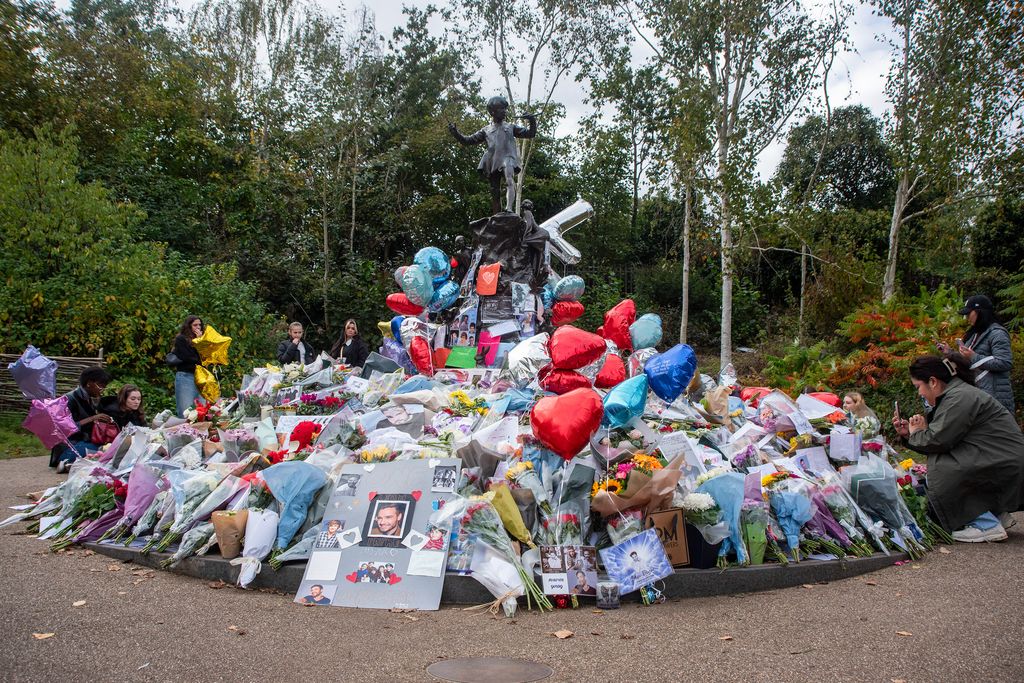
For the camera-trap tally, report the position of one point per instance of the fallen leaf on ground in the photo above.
(945, 551)
(898, 680)
(800, 652)
(43, 636)
(595, 633)
(232, 628)
(597, 611)
(122, 592)
(905, 634)
(915, 566)
(113, 567)
(411, 617)
(626, 637)
(870, 583)
(725, 638)
(563, 634)
(216, 584)
(87, 553)
(401, 610)
(78, 603)
(95, 570)
(806, 585)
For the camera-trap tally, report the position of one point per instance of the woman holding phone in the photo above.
(986, 347)
(975, 451)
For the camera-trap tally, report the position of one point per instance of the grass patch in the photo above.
(16, 442)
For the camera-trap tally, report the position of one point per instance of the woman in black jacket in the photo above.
(185, 390)
(350, 347)
(126, 407)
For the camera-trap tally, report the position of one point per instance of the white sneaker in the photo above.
(63, 466)
(1007, 520)
(972, 534)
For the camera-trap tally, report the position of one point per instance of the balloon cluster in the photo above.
(561, 298)
(425, 284)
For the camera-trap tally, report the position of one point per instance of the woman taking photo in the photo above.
(185, 390)
(350, 348)
(975, 451)
(986, 347)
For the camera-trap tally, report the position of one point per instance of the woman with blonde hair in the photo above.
(861, 417)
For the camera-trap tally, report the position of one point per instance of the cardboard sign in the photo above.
(387, 555)
(671, 529)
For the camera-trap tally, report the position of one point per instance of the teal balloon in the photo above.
(668, 373)
(417, 285)
(569, 288)
(547, 296)
(434, 261)
(444, 296)
(646, 331)
(625, 402)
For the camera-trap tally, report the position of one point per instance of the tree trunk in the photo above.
(803, 293)
(725, 356)
(898, 208)
(352, 228)
(684, 321)
(327, 261)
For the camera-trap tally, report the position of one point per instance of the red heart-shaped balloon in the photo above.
(612, 372)
(416, 495)
(565, 312)
(565, 423)
(371, 495)
(560, 381)
(571, 348)
(617, 321)
(351, 577)
(399, 303)
(419, 352)
(394, 578)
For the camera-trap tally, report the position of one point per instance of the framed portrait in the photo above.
(388, 520)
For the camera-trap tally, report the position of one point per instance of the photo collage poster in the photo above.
(569, 569)
(463, 329)
(376, 548)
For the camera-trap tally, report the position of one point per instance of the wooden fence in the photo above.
(68, 371)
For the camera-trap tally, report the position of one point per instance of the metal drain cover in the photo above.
(489, 670)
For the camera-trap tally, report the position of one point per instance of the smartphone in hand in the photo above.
(896, 405)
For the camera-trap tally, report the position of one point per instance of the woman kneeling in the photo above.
(975, 451)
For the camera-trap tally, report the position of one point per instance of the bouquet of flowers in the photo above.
(459, 403)
(189, 489)
(844, 511)
(754, 519)
(194, 539)
(625, 525)
(563, 529)
(221, 494)
(700, 509)
(238, 443)
(469, 482)
(98, 500)
(872, 485)
(379, 453)
(260, 530)
(608, 483)
(523, 475)
(293, 484)
(148, 519)
(478, 517)
(823, 533)
(144, 483)
(727, 490)
(792, 507)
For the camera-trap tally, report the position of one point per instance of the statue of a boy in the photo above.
(501, 157)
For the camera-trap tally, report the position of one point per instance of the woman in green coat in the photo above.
(975, 450)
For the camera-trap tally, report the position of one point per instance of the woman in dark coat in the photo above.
(125, 408)
(185, 390)
(986, 346)
(350, 347)
(975, 451)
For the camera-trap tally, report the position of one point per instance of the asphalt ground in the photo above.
(954, 616)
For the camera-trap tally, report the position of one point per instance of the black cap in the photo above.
(975, 303)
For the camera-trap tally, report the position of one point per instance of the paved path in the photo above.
(963, 609)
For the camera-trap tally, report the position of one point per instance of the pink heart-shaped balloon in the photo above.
(571, 348)
(565, 423)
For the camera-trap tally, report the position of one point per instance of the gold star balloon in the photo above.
(385, 329)
(212, 347)
(207, 383)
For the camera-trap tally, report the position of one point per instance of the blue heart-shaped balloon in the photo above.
(624, 402)
(668, 373)
(569, 288)
(444, 296)
(396, 327)
(434, 261)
